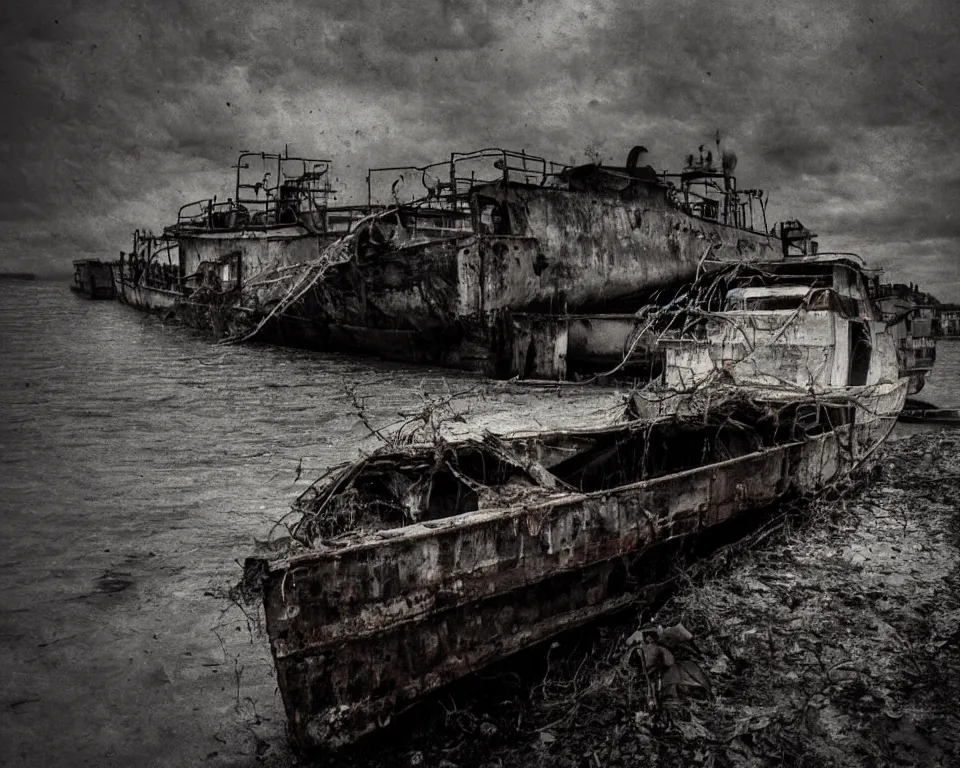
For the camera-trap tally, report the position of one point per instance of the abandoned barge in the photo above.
(419, 564)
(93, 279)
(502, 262)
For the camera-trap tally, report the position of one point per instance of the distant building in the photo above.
(947, 320)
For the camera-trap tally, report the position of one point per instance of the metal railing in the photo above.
(714, 196)
(447, 184)
(270, 189)
(153, 261)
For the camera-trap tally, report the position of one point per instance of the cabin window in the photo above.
(813, 299)
(228, 270)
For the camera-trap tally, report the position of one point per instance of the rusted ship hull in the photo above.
(360, 628)
(491, 304)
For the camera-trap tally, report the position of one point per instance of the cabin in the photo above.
(278, 216)
(807, 323)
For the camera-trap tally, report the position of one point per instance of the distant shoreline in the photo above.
(17, 276)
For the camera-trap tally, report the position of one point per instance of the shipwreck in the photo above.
(497, 261)
(443, 552)
(93, 279)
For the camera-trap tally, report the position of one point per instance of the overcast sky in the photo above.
(114, 112)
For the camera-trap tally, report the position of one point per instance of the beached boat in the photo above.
(92, 278)
(419, 564)
(501, 262)
(808, 324)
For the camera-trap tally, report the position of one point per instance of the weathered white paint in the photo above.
(805, 348)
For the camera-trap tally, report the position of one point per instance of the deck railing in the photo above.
(446, 184)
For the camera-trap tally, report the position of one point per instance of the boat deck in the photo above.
(516, 409)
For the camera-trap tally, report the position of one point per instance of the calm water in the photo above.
(943, 385)
(137, 463)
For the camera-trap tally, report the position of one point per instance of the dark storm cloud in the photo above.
(793, 146)
(115, 112)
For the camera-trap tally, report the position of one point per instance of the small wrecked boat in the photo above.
(92, 278)
(444, 552)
